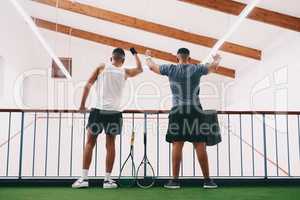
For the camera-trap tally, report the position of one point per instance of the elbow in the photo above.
(141, 69)
(212, 69)
(87, 87)
(151, 68)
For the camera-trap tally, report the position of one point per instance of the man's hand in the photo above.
(148, 53)
(217, 58)
(133, 51)
(151, 64)
(82, 109)
(213, 67)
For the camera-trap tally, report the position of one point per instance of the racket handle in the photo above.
(132, 138)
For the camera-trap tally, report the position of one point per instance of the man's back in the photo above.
(110, 85)
(184, 82)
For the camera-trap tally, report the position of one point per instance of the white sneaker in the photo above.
(80, 183)
(110, 184)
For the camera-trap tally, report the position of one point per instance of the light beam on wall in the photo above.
(37, 33)
(232, 29)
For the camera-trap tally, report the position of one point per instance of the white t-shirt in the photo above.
(110, 85)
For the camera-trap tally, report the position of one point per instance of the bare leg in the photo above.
(110, 152)
(88, 150)
(202, 158)
(176, 157)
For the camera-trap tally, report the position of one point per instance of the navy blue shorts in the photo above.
(110, 122)
(191, 124)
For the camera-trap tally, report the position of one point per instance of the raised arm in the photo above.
(138, 69)
(88, 86)
(212, 67)
(151, 64)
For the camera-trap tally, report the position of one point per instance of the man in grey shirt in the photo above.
(185, 117)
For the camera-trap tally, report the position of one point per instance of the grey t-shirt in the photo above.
(184, 82)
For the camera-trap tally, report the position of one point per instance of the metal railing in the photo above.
(49, 144)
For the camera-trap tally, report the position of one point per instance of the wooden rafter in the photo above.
(225, 71)
(258, 14)
(144, 25)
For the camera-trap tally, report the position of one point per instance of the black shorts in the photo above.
(109, 121)
(190, 123)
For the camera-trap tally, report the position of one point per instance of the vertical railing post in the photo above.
(47, 137)
(218, 164)
(276, 145)
(58, 148)
(169, 159)
(120, 147)
(157, 157)
(145, 142)
(133, 130)
(229, 149)
(252, 149)
(96, 156)
(241, 144)
(298, 122)
(288, 144)
(218, 161)
(84, 130)
(34, 143)
(8, 144)
(21, 145)
(265, 147)
(181, 166)
(71, 150)
(194, 164)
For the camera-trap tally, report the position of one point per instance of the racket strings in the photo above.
(145, 174)
(127, 177)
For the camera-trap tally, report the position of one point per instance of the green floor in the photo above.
(230, 193)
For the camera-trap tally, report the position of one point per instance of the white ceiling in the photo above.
(176, 14)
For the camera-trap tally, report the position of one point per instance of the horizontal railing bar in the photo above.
(153, 111)
(78, 111)
(158, 177)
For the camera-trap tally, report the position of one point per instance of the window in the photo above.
(57, 73)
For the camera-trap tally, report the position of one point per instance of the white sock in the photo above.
(85, 173)
(107, 176)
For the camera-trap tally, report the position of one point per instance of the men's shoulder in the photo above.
(100, 68)
(201, 69)
(165, 69)
(173, 66)
(194, 66)
(102, 65)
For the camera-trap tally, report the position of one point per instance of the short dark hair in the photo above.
(118, 53)
(183, 51)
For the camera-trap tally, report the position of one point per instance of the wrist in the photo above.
(133, 51)
(148, 58)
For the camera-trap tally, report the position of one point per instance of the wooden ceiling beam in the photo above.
(225, 71)
(148, 26)
(258, 14)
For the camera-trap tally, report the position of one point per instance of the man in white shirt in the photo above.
(107, 115)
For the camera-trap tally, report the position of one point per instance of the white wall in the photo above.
(27, 76)
(148, 91)
(273, 84)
